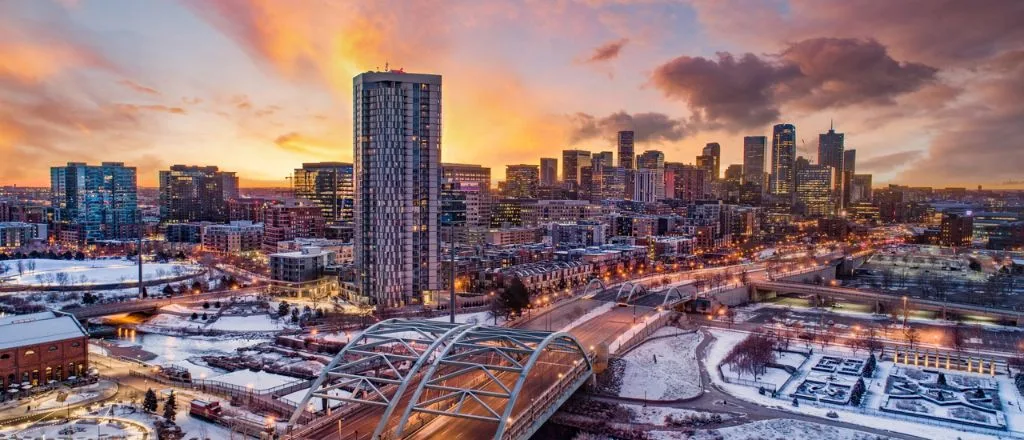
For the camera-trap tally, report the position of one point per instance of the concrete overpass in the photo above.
(762, 288)
(151, 304)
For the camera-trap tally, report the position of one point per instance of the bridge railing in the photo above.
(540, 410)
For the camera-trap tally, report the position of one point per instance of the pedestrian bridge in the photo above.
(427, 379)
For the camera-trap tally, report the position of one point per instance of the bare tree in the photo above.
(21, 267)
(912, 335)
(752, 355)
(959, 337)
(871, 340)
(30, 265)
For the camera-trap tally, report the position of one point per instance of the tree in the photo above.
(205, 316)
(912, 335)
(170, 408)
(752, 355)
(149, 403)
(857, 393)
(206, 305)
(869, 366)
(282, 309)
(89, 298)
(872, 342)
(513, 298)
(21, 267)
(195, 316)
(959, 337)
(168, 290)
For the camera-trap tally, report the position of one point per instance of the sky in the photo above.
(929, 92)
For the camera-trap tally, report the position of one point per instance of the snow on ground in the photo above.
(771, 429)
(177, 350)
(655, 415)
(471, 318)
(315, 403)
(673, 375)
(258, 380)
(789, 358)
(82, 429)
(726, 339)
(590, 315)
(255, 323)
(90, 271)
(633, 331)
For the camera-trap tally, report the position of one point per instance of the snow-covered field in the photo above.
(258, 380)
(725, 340)
(177, 350)
(42, 272)
(83, 429)
(663, 369)
(771, 429)
(255, 323)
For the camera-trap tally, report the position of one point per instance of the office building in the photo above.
(956, 230)
(830, 149)
(783, 160)
(95, 202)
(521, 181)
(753, 160)
(195, 193)
(566, 235)
(397, 152)
(860, 188)
(625, 142)
(714, 166)
(849, 170)
(329, 186)
(689, 183)
(645, 185)
(654, 160)
(707, 163)
(815, 190)
(467, 175)
(572, 162)
(548, 171)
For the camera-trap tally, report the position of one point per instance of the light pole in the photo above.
(904, 311)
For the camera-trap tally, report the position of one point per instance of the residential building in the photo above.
(329, 185)
(467, 175)
(548, 171)
(290, 220)
(511, 236)
(398, 174)
(707, 163)
(41, 347)
(625, 143)
(249, 209)
(539, 212)
(17, 234)
(689, 182)
(303, 273)
(521, 181)
(956, 230)
(238, 236)
(95, 202)
(185, 232)
(196, 193)
(646, 186)
(578, 234)
(783, 160)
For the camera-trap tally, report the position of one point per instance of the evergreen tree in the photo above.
(195, 316)
(857, 393)
(282, 309)
(170, 408)
(513, 299)
(168, 290)
(149, 403)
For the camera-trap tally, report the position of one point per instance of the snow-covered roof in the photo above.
(38, 330)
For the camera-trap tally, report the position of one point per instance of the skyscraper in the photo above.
(521, 181)
(397, 152)
(830, 154)
(548, 171)
(625, 142)
(783, 157)
(329, 186)
(605, 158)
(572, 162)
(753, 159)
(849, 169)
(814, 190)
(645, 185)
(194, 193)
(715, 167)
(95, 202)
(653, 160)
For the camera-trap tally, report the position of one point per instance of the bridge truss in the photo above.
(470, 372)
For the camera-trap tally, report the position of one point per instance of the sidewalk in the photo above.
(47, 403)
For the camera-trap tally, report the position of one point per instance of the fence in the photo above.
(648, 329)
(747, 382)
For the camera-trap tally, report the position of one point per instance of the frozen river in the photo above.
(178, 350)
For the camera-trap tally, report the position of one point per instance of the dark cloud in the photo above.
(648, 127)
(748, 91)
(888, 162)
(606, 52)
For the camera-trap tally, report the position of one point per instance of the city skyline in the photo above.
(268, 90)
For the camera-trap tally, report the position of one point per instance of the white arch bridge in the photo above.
(427, 379)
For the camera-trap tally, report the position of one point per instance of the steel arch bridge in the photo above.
(504, 379)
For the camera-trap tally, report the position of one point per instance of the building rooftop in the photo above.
(38, 328)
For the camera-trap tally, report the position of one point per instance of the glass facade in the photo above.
(329, 185)
(100, 201)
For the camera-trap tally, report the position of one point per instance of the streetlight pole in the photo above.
(904, 311)
(451, 291)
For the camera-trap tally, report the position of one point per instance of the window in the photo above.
(30, 352)
(52, 348)
(5, 356)
(76, 344)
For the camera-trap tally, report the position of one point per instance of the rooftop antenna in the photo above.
(831, 125)
(386, 64)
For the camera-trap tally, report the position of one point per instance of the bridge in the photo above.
(150, 304)
(784, 288)
(428, 379)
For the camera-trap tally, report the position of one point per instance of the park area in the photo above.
(37, 272)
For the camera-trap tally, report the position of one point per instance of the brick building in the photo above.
(40, 347)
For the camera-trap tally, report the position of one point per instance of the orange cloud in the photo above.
(33, 63)
(138, 87)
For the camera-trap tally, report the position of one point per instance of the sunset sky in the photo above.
(929, 92)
